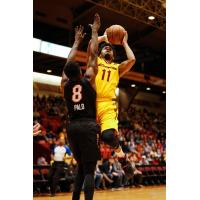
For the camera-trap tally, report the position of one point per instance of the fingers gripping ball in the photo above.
(115, 34)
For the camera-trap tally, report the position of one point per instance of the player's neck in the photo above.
(107, 61)
(75, 79)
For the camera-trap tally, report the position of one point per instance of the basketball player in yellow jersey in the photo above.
(107, 80)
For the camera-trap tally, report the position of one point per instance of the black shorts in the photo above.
(83, 140)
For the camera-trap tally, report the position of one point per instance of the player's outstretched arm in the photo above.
(93, 52)
(126, 65)
(79, 35)
(102, 38)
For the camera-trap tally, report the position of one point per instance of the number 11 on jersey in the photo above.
(103, 75)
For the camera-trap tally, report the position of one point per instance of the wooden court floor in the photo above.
(145, 193)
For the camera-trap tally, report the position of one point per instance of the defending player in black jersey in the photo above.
(80, 96)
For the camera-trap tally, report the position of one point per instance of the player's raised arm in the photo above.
(126, 65)
(100, 39)
(93, 52)
(79, 35)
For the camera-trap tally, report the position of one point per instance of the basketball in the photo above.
(115, 34)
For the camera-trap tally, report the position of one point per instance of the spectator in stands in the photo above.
(118, 169)
(146, 139)
(98, 177)
(155, 160)
(42, 161)
(131, 145)
(50, 134)
(57, 168)
(149, 158)
(109, 172)
(147, 148)
(143, 161)
(137, 178)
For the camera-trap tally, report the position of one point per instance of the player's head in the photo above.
(72, 70)
(61, 140)
(107, 51)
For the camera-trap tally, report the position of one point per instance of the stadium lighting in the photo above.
(163, 92)
(133, 85)
(50, 48)
(49, 71)
(46, 79)
(148, 88)
(36, 44)
(151, 17)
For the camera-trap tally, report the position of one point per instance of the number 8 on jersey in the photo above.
(77, 95)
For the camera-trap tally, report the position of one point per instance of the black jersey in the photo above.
(80, 98)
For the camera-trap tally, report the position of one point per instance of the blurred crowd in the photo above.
(142, 136)
(48, 106)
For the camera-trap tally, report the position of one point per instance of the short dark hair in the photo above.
(72, 69)
(104, 44)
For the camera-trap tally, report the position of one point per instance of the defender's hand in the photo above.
(97, 22)
(79, 35)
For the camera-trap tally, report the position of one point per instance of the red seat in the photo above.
(44, 171)
(148, 168)
(36, 172)
(153, 168)
(42, 142)
(36, 175)
(140, 169)
(159, 168)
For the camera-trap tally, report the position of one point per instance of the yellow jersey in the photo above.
(106, 80)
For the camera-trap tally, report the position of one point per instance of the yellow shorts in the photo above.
(107, 115)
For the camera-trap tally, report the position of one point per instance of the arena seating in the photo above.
(142, 135)
(41, 183)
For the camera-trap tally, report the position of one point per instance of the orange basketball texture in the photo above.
(115, 34)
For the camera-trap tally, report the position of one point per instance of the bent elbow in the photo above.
(132, 61)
